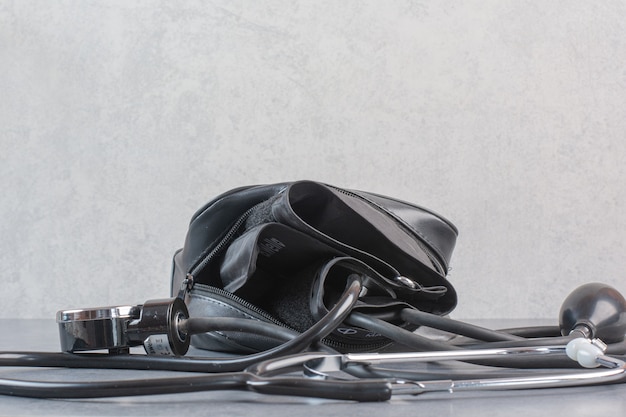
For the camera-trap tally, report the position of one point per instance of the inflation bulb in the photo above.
(597, 310)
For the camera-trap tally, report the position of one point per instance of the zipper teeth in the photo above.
(222, 243)
(345, 347)
(266, 316)
(429, 252)
(243, 303)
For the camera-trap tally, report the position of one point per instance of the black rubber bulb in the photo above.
(597, 307)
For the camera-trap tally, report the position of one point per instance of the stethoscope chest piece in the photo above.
(96, 328)
(155, 325)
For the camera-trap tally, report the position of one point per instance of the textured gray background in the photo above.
(119, 119)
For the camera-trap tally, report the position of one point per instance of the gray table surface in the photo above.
(41, 335)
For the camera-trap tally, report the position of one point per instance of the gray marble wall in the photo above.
(119, 119)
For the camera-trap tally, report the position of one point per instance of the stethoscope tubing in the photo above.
(265, 372)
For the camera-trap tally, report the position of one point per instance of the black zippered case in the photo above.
(282, 253)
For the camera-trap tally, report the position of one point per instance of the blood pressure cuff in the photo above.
(283, 254)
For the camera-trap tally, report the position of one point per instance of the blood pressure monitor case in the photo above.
(282, 253)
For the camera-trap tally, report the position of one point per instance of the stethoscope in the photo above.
(586, 348)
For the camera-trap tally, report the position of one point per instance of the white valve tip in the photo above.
(584, 352)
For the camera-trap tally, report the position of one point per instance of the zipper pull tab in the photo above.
(185, 287)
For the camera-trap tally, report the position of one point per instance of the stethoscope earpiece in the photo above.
(597, 311)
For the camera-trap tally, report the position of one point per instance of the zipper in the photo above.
(221, 245)
(249, 308)
(432, 256)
